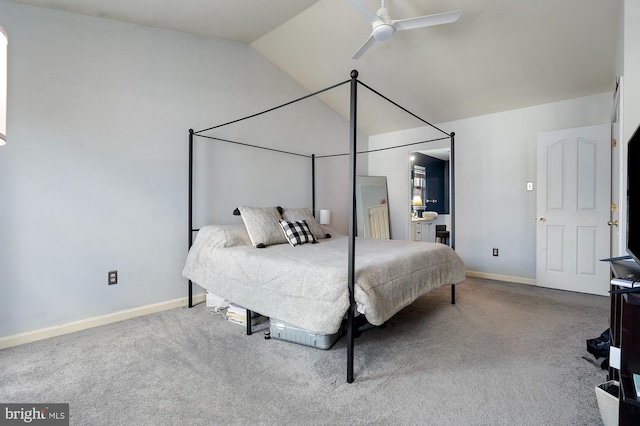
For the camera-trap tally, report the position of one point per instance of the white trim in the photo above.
(497, 277)
(58, 330)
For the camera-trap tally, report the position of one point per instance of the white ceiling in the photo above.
(500, 55)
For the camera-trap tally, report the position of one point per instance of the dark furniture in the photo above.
(629, 339)
(442, 233)
(625, 335)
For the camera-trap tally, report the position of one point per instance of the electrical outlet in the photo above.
(530, 185)
(113, 277)
(495, 251)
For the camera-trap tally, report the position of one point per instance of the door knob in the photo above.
(542, 219)
(612, 222)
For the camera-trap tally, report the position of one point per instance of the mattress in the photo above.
(307, 285)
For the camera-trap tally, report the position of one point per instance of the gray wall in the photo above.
(628, 66)
(495, 155)
(94, 175)
(631, 95)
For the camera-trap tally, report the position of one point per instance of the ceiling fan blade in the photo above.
(367, 44)
(364, 10)
(426, 21)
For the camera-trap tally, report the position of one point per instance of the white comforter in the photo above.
(307, 285)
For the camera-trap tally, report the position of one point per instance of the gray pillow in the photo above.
(304, 214)
(262, 225)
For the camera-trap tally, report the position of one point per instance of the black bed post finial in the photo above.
(190, 207)
(352, 223)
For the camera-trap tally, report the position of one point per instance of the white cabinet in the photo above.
(428, 233)
(416, 231)
(422, 230)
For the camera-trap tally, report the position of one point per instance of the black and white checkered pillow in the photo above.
(297, 232)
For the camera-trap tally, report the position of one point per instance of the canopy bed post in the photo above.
(313, 185)
(452, 202)
(352, 223)
(248, 319)
(190, 207)
(452, 205)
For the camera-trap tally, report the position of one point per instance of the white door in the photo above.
(574, 184)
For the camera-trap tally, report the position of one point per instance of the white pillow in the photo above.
(262, 225)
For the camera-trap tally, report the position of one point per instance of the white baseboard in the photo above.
(497, 277)
(58, 330)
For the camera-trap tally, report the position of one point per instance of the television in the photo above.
(633, 196)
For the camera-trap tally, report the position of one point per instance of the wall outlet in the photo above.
(530, 185)
(495, 251)
(113, 277)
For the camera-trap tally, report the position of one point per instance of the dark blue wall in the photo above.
(437, 181)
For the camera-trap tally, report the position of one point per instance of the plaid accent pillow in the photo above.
(297, 232)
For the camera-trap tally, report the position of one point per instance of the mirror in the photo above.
(430, 181)
(372, 207)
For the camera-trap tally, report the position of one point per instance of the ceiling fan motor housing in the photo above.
(382, 32)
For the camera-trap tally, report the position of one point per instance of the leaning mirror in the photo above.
(372, 207)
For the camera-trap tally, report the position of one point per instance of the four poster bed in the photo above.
(283, 264)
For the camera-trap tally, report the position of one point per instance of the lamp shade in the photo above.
(417, 200)
(325, 217)
(3, 86)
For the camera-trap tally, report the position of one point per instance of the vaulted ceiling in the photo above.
(500, 54)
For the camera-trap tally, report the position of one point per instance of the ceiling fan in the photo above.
(384, 26)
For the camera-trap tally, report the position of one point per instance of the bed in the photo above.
(314, 286)
(305, 285)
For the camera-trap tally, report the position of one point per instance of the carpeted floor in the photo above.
(505, 354)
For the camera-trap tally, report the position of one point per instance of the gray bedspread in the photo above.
(307, 285)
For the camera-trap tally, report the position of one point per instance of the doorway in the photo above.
(430, 194)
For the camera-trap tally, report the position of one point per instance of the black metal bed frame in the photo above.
(351, 313)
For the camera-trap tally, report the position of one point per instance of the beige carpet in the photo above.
(505, 354)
